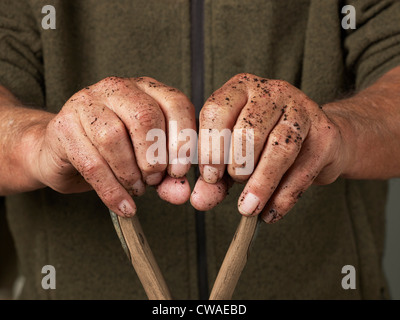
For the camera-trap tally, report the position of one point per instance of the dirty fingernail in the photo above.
(272, 216)
(210, 174)
(154, 179)
(179, 169)
(126, 209)
(249, 204)
(138, 188)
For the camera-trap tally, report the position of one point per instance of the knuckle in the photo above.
(89, 169)
(110, 194)
(258, 184)
(177, 95)
(325, 179)
(233, 173)
(258, 139)
(149, 82)
(240, 76)
(279, 88)
(149, 116)
(58, 122)
(108, 86)
(284, 148)
(62, 123)
(110, 82)
(145, 79)
(304, 179)
(111, 134)
(80, 99)
(244, 76)
(209, 112)
(82, 96)
(177, 101)
(284, 143)
(284, 204)
(180, 98)
(149, 168)
(283, 84)
(129, 179)
(213, 115)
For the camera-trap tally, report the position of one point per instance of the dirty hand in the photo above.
(296, 144)
(98, 141)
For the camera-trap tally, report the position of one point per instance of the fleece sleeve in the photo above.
(373, 48)
(21, 61)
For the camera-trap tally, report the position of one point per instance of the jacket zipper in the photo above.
(197, 66)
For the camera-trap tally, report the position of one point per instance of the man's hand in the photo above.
(295, 145)
(98, 140)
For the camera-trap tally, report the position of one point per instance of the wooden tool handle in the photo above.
(235, 259)
(133, 240)
(143, 260)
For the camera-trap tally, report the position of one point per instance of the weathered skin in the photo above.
(295, 143)
(98, 141)
(298, 143)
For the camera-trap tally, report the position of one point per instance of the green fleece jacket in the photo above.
(299, 41)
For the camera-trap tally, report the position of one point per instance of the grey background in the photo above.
(392, 248)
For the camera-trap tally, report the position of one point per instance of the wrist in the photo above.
(30, 149)
(340, 116)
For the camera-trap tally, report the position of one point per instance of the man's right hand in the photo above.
(98, 141)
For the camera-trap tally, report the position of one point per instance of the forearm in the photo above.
(21, 130)
(370, 127)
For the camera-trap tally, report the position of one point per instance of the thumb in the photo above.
(175, 191)
(206, 196)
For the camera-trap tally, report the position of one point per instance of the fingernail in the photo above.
(178, 170)
(126, 209)
(272, 216)
(210, 174)
(154, 179)
(138, 188)
(249, 204)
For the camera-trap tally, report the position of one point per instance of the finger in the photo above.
(180, 124)
(91, 165)
(261, 113)
(217, 118)
(109, 136)
(173, 190)
(316, 164)
(281, 150)
(297, 180)
(206, 196)
(142, 116)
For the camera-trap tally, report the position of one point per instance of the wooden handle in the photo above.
(235, 259)
(143, 259)
(145, 265)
